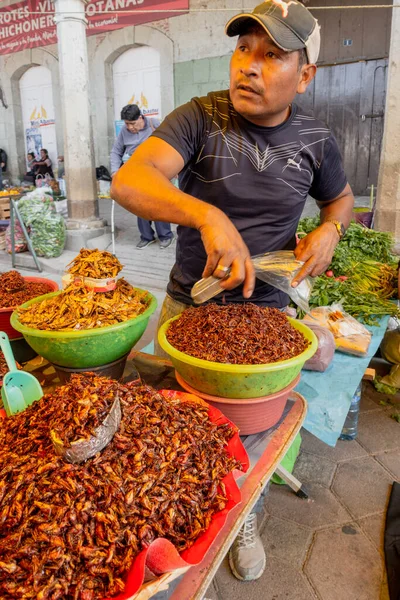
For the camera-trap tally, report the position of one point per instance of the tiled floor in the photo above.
(331, 546)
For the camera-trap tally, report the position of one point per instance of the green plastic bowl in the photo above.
(86, 347)
(238, 381)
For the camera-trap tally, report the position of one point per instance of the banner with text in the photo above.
(30, 23)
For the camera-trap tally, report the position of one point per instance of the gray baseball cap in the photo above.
(292, 31)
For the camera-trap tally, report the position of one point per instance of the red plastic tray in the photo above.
(162, 556)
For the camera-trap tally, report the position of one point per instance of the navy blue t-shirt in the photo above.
(259, 176)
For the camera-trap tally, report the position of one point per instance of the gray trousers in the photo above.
(147, 232)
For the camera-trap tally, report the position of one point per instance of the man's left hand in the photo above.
(316, 251)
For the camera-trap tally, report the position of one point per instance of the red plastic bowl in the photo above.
(251, 415)
(5, 313)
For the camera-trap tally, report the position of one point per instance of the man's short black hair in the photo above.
(131, 112)
(303, 60)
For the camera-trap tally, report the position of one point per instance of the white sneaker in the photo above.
(247, 556)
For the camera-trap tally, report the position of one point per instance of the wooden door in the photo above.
(350, 98)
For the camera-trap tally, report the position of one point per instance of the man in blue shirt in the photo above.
(136, 130)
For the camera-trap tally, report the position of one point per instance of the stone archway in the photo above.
(14, 69)
(136, 80)
(102, 55)
(18, 169)
(38, 113)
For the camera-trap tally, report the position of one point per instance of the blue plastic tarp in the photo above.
(329, 394)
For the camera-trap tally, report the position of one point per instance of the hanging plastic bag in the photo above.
(276, 268)
(351, 337)
(43, 193)
(19, 238)
(61, 207)
(35, 206)
(326, 348)
(279, 269)
(48, 235)
(40, 180)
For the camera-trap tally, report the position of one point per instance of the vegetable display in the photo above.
(366, 306)
(20, 244)
(361, 241)
(34, 205)
(46, 228)
(78, 307)
(10, 192)
(236, 333)
(49, 235)
(14, 290)
(362, 276)
(72, 531)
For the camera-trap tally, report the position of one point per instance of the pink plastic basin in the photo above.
(251, 415)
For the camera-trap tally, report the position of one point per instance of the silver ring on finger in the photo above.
(222, 268)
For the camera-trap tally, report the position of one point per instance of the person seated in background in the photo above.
(44, 165)
(31, 164)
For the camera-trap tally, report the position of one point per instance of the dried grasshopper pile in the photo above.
(94, 263)
(4, 367)
(72, 531)
(243, 334)
(82, 408)
(78, 307)
(14, 290)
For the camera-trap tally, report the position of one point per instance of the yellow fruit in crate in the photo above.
(10, 192)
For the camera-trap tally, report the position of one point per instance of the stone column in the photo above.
(75, 106)
(388, 197)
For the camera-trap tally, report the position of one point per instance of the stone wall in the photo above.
(198, 77)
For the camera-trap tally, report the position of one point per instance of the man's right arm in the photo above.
(143, 187)
(117, 153)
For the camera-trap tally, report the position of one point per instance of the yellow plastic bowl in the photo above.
(238, 381)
